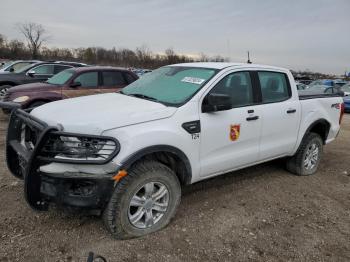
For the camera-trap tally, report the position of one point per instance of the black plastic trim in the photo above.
(192, 127)
(160, 148)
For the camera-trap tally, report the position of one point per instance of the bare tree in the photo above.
(35, 35)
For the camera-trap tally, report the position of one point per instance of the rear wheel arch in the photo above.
(170, 156)
(320, 127)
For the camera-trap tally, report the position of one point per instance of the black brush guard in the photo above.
(26, 137)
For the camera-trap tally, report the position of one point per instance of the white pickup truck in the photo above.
(128, 153)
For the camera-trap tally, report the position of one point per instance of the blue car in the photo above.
(346, 103)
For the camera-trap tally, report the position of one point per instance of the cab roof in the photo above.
(222, 65)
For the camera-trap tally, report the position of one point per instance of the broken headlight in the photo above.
(66, 147)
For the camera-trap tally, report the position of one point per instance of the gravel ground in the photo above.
(261, 213)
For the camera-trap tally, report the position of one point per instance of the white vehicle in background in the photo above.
(14, 66)
(301, 86)
(128, 154)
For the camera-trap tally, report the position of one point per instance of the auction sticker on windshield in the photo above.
(193, 80)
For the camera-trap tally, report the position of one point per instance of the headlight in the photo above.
(64, 147)
(20, 99)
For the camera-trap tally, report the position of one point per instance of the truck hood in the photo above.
(97, 113)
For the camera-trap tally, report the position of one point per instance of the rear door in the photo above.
(112, 81)
(280, 109)
(230, 139)
(86, 83)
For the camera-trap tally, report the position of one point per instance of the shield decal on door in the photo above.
(234, 132)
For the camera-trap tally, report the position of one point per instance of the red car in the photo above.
(70, 83)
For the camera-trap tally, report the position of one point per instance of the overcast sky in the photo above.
(298, 34)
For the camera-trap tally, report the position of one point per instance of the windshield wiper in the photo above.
(145, 97)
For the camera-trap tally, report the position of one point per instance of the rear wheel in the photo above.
(307, 158)
(143, 202)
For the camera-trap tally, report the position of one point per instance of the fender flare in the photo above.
(160, 148)
(307, 131)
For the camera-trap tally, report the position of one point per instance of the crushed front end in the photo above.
(32, 146)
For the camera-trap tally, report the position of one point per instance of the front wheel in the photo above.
(143, 202)
(307, 158)
(3, 91)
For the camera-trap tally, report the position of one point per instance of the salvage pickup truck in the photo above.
(129, 153)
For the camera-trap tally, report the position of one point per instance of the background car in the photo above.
(301, 86)
(37, 72)
(346, 104)
(14, 66)
(69, 83)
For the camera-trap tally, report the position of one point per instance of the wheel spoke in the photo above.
(160, 207)
(148, 205)
(137, 201)
(162, 191)
(149, 218)
(149, 188)
(137, 216)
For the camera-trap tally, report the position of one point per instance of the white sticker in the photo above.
(193, 80)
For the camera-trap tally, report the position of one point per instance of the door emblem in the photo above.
(235, 132)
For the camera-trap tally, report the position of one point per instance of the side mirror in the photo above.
(12, 69)
(216, 102)
(31, 73)
(75, 84)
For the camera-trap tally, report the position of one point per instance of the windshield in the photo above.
(172, 85)
(61, 78)
(7, 64)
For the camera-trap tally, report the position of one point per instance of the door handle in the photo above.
(291, 111)
(252, 118)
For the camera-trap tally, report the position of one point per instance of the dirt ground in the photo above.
(261, 213)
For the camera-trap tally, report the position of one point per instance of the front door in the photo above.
(40, 73)
(86, 83)
(230, 139)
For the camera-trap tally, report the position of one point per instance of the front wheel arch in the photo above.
(168, 155)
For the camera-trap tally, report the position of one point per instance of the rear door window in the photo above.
(129, 78)
(274, 86)
(113, 78)
(89, 79)
(59, 68)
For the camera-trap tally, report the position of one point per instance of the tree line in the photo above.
(36, 36)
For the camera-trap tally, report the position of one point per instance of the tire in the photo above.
(119, 215)
(3, 91)
(311, 147)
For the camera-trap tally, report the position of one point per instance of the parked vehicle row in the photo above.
(32, 73)
(127, 154)
(70, 83)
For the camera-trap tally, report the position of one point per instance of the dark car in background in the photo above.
(70, 83)
(32, 73)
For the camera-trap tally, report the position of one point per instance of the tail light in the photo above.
(342, 109)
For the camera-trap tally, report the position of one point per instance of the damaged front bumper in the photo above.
(45, 178)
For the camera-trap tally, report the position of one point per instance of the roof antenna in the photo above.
(249, 62)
